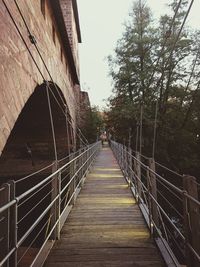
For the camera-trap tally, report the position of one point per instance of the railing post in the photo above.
(55, 210)
(87, 156)
(121, 156)
(138, 173)
(130, 165)
(152, 187)
(191, 221)
(83, 161)
(79, 160)
(83, 169)
(149, 199)
(72, 172)
(126, 163)
(13, 226)
(124, 160)
(59, 205)
(5, 222)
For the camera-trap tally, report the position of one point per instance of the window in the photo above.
(42, 7)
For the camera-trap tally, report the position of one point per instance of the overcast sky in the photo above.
(101, 23)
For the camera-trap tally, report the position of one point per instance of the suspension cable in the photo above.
(64, 113)
(165, 41)
(175, 42)
(52, 123)
(141, 126)
(33, 41)
(155, 130)
(193, 68)
(20, 34)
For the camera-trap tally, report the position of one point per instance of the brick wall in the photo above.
(70, 22)
(18, 74)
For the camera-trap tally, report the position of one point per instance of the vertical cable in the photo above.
(154, 132)
(141, 125)
(51, 119)
(137, 136)
(129, 138)
(67, 127)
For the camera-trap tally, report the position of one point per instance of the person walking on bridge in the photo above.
(103, 138)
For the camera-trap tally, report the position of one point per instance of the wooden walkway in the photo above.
(105, 228)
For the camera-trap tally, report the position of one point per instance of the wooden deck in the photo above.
(105, 227)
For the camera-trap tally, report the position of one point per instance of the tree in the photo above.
(131, 67)
(157, 63)
(93, 124)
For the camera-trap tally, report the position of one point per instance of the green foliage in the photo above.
(158, 63)
(93, 124)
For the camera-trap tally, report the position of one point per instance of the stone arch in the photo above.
(30, 144)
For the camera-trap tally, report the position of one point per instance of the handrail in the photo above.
(51, 176)
(164, 180)
(34, 173)
(143, 179)
(55, 193)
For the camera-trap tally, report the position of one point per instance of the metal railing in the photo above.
(170, 207)
(30, 221)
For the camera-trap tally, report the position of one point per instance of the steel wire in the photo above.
(170, 190)
(172, 206)
(38, 203)
(34, 240)
(40, 188)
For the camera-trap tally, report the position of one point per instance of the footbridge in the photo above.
(127, 213)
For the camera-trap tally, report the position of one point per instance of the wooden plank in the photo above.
(142, 263)
(105, 227)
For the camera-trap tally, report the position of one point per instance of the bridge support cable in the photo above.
(165, 41)
(180, 241)
(155, 130)
(66, 115)
(34, 42)
(192, 72)
(141, 127)
(42, 224)
(68, 133)
(137, 136)
(174, 44)
(167, 61)
(21, 36)
(52, 123)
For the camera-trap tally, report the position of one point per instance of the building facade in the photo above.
(39, 88)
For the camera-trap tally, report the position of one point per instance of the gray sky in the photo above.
(101, 26)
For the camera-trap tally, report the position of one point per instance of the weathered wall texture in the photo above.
(18, 74)
(71, 23)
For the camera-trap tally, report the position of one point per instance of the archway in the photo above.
(30, 146)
